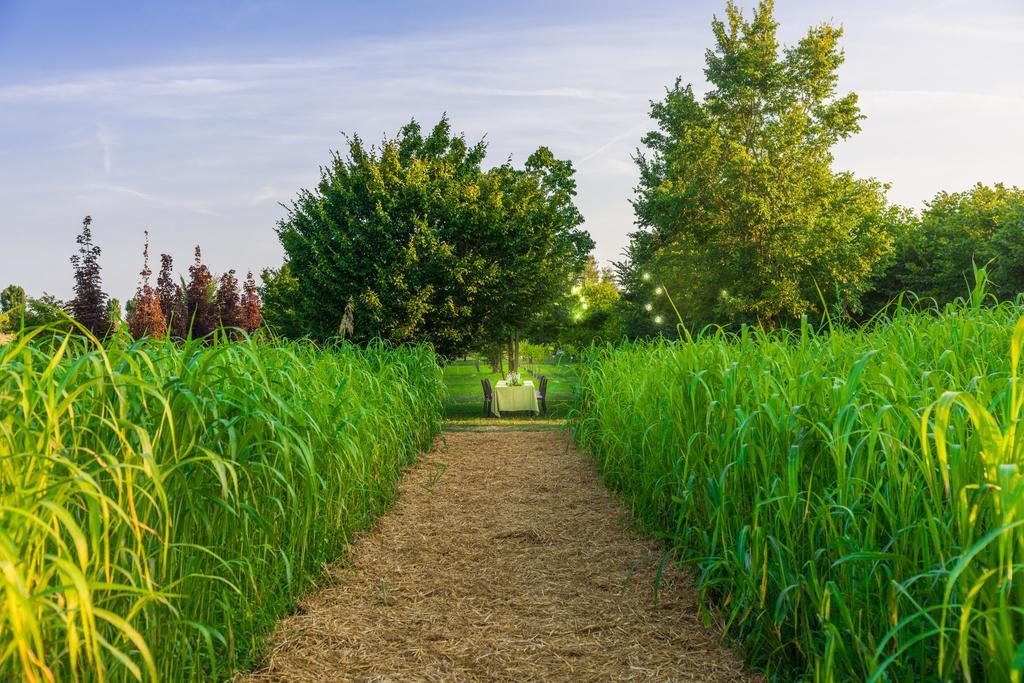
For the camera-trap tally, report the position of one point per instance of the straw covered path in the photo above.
(504, 558)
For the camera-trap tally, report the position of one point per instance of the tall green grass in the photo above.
(851, 500)
(161, 504)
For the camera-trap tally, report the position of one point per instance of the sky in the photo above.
(196, 120)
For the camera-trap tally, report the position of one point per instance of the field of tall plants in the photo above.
(162, 504)
(851, 501)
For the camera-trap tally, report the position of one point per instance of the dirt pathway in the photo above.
(505, 558)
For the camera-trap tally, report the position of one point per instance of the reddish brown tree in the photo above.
(89, 307)
(199, 298)
(251, 314)
(146, 318)
(228, 300)
(172, 299)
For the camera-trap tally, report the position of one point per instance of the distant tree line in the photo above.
(935, 254)
(17, 309)
(174, 307)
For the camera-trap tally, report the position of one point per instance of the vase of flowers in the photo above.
(513, 379)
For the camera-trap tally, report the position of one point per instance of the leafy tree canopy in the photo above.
(426, 244)
(11, 298)
(45, 310)
(34, 312)
(587, 313)
(936, 254)
(280, 294)
(743, 216)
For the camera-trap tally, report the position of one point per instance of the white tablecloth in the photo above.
(514, 399)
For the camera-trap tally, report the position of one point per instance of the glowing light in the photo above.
(658, 291)
(658, 319)
(648, 307)
(583, 300)
(647, 276)
(725, 293)
(576, 289)
(584, 306)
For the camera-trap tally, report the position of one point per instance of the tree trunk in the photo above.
(517, 351)
(494, 359)
(511, 355)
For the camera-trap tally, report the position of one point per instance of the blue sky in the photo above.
(195, 119)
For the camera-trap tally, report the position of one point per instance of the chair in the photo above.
(542, 395)
(488, 395)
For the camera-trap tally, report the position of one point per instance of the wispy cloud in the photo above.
(998, 101)
(954, 19)
(167, 202)
(557, 93)
(105, 141)
(271, 193)
(177, 80)
(194, 87)
(631, 134)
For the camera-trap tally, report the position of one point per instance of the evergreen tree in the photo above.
(89, 307)
(228, 300)
(250, 315)
(172, 299)
(146, 318)
(199, 298)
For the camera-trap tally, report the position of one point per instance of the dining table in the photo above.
(514, 399)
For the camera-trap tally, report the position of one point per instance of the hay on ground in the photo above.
(505, 558)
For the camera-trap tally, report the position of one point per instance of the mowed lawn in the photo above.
(465, 400)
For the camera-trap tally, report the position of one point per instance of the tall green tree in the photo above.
(426, 244)
(747, 219)
(540, 249)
